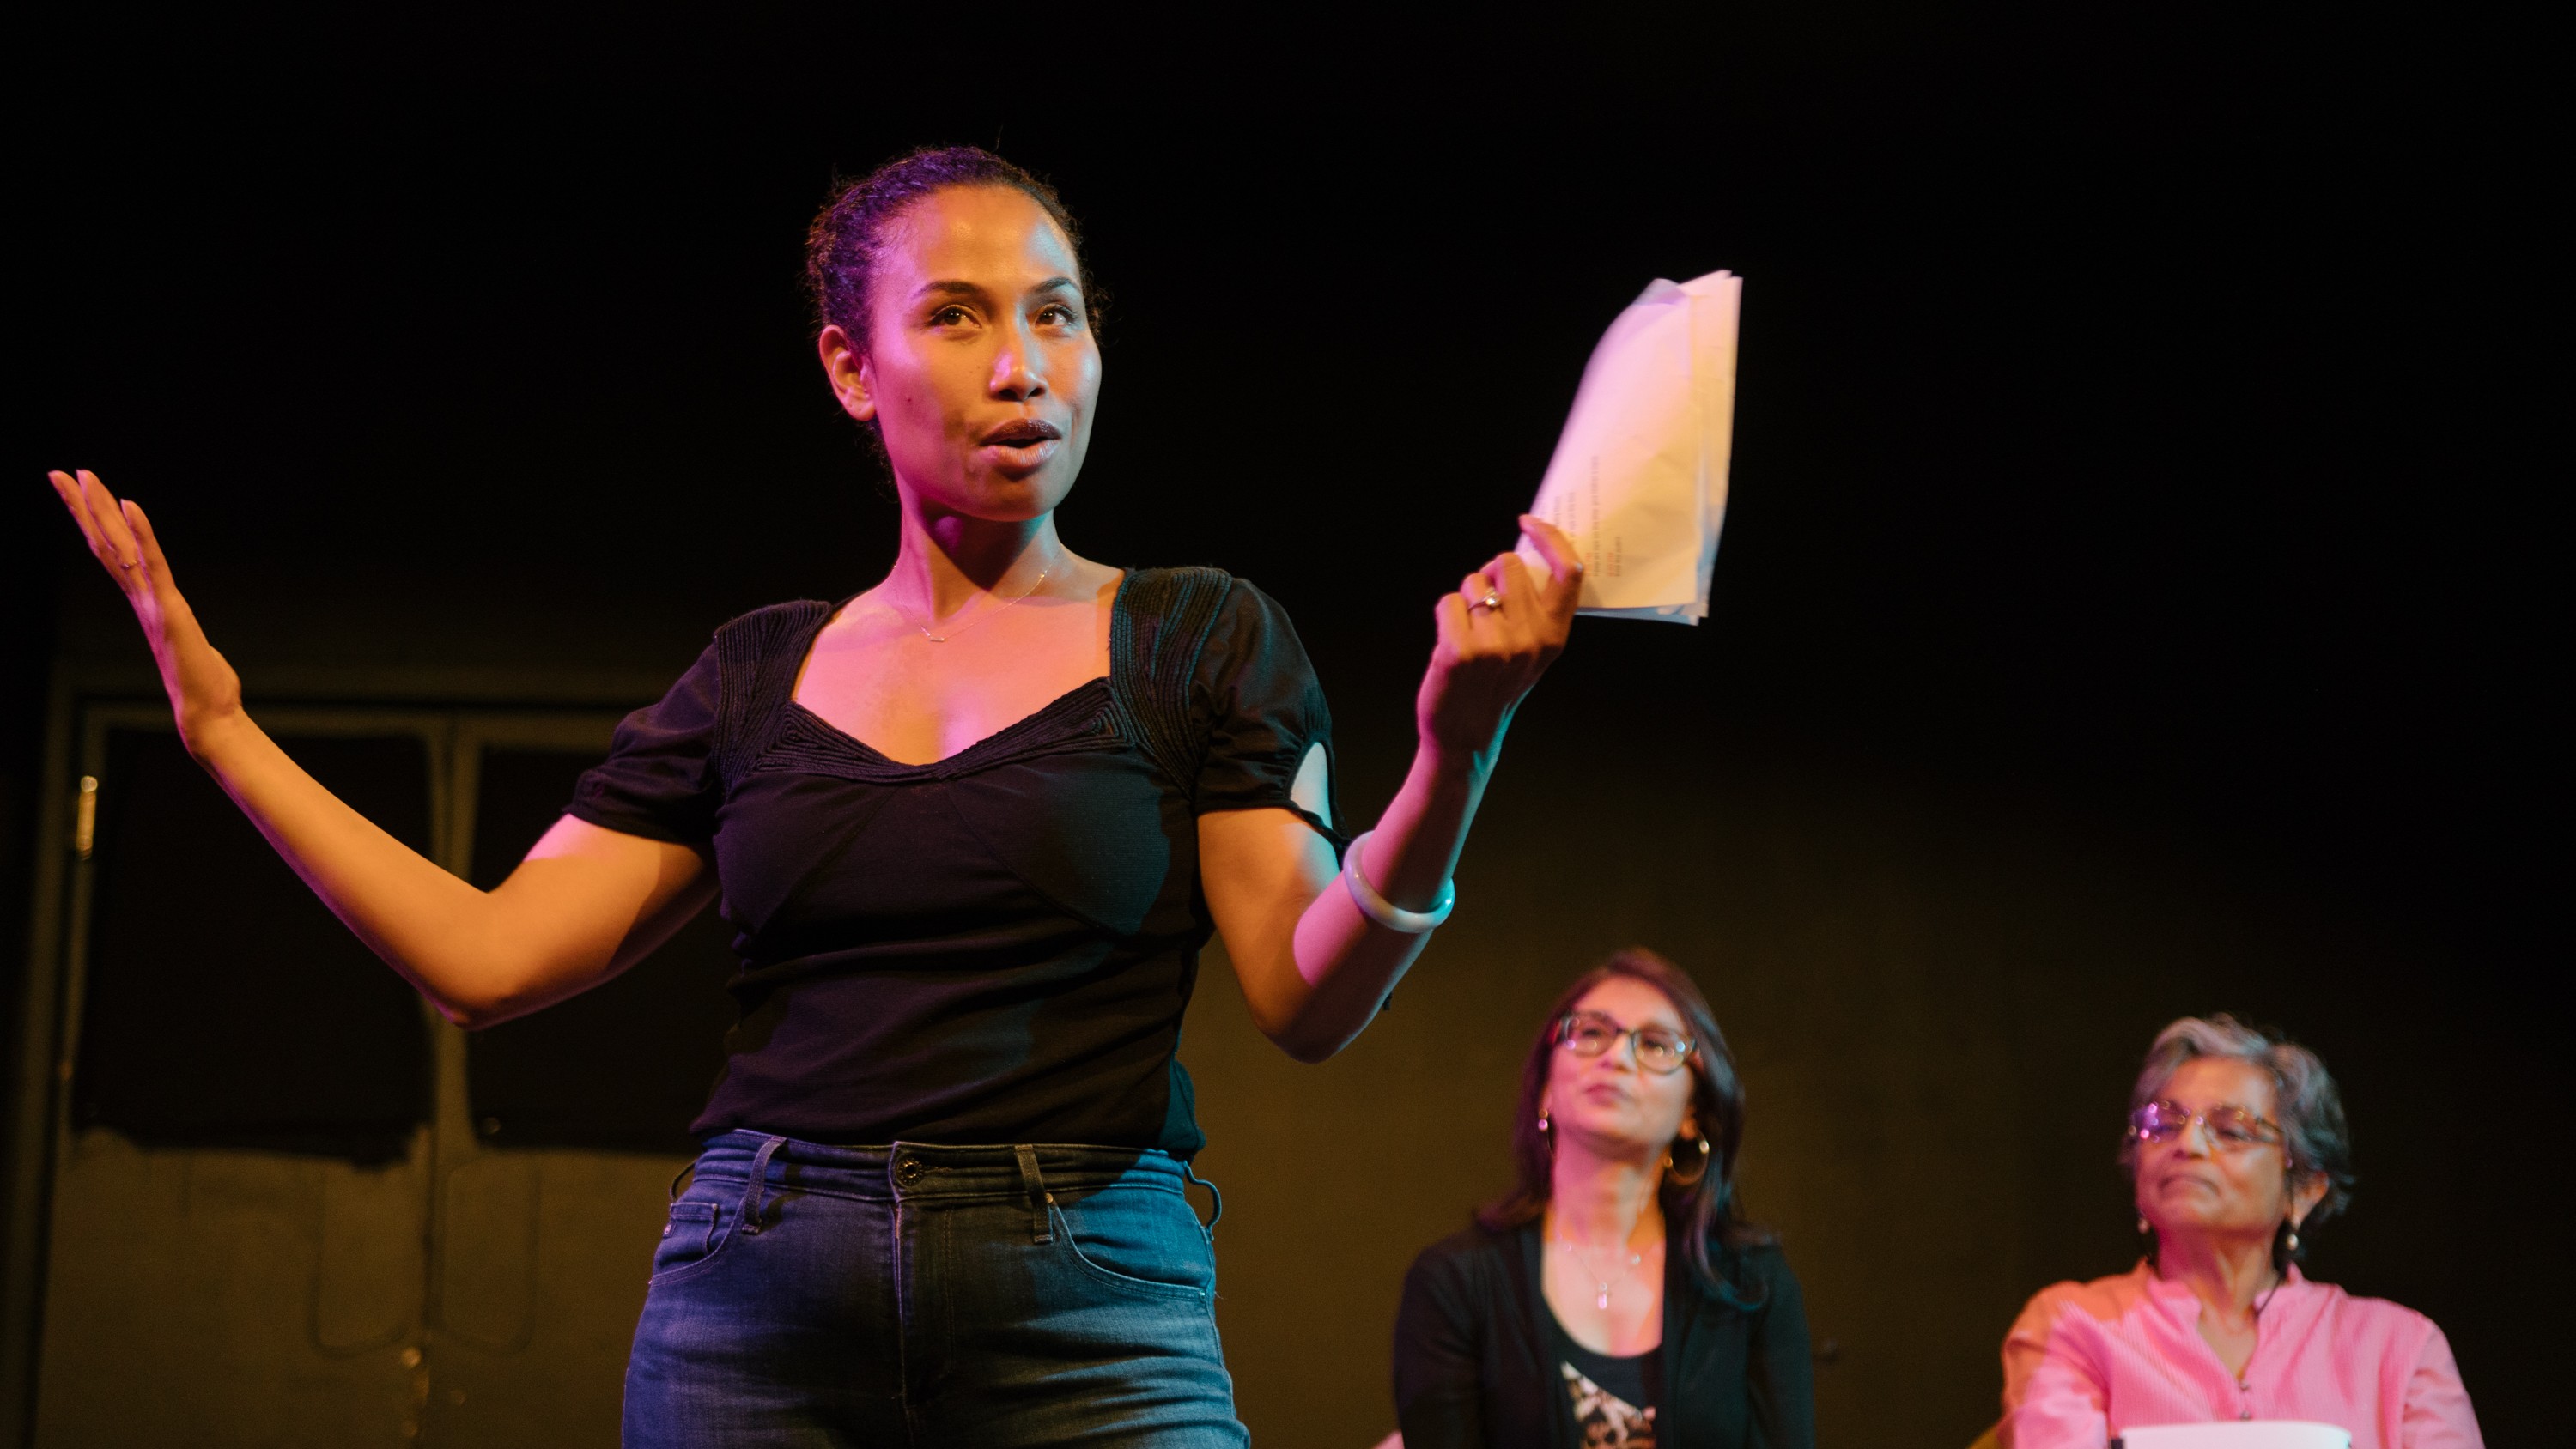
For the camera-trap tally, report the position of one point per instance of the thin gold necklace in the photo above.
(980, 614)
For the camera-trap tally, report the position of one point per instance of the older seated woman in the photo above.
(2236, 1144)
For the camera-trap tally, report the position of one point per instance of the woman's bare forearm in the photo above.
(1316, 982)
(477, 956)
(432, 927)
(1348, 963)
(1414, 850)
(586, 902)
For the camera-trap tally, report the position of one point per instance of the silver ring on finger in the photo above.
(1491, 600)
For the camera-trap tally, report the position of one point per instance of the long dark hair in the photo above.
(1697, 1211)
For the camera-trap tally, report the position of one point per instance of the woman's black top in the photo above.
(1478, 1360)
(1614, 1400)
(998, 946)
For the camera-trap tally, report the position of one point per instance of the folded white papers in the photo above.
(1639, 476)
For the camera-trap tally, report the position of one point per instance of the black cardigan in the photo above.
(1472, 1353)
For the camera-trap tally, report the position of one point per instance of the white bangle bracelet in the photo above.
(1385, 912)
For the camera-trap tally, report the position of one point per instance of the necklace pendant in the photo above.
(1603, 1302)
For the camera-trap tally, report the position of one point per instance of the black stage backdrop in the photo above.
(2134, 599)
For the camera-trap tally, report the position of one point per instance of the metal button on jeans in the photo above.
(908, 1171)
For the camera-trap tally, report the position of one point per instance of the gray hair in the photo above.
(2314, 1140)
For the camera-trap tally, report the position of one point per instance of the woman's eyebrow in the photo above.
(947, 287)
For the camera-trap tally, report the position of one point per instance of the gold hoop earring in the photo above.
(1695, 1178)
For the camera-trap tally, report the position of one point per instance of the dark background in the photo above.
(2135, 597)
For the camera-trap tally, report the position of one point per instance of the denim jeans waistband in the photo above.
(914, 1171)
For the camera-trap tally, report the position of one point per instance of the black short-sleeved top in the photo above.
(996, 947)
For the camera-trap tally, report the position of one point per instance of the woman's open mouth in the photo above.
(1022, 443)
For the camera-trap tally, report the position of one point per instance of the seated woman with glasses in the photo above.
(2236, 1145)
(1617, 1296)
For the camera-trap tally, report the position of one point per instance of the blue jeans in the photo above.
(1000, 1297)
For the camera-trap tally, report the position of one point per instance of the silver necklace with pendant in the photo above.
(1602, 1283)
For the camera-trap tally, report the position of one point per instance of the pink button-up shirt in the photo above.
(2089, 1360)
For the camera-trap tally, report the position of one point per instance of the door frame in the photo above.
(456, 711)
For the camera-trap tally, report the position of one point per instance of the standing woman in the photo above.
(1617, 1296)
(972, 827)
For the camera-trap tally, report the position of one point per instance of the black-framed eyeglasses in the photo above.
(2230, 1127)
(1589, 1033)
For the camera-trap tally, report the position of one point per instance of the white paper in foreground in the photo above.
(1639, 476)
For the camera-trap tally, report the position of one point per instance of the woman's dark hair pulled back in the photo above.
(849, 235)
(1697, 1211)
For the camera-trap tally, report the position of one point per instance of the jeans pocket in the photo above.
(690, 1240)
(1142, 1241)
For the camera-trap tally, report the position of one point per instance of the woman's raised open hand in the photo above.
(585, 904)
(204, 692)
(1498, 634)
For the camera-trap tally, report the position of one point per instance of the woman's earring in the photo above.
(2293, 1244)
(2142, 1224)
(1694, 1179)
(1542, 1119)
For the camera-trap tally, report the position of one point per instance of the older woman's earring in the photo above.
(2143, 1228)
(2293, 1244)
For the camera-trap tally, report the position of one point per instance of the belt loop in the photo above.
(751, 1191)
(1217, 1213)
(1040, 1230)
